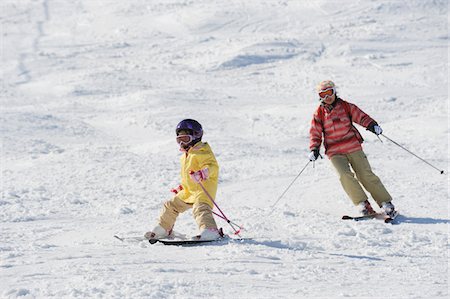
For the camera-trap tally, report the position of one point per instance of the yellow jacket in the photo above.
(198, 157)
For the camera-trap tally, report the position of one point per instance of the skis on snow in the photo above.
(176, 242)
(380, 216)
(193, 242)
(179, 241)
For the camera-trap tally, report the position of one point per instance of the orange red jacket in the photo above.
(334, 124)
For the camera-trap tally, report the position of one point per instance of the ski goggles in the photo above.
(184, 139)
(323, 94)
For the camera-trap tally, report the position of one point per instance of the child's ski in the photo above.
(130, 239)
(188, 242)
(183, 242)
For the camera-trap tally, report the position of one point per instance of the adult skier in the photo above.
(333, 123)
(198, 165)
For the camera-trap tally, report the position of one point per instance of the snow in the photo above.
(92, 91)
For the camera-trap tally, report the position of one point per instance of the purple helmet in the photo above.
(192, 126)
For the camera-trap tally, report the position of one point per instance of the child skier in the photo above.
(333, 120)
(198, 165)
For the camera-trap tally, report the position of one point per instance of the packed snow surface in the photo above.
(92, 91)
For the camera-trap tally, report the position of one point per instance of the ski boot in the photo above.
(208, 234)
(158, 232)
(365, 208)
(389, 209)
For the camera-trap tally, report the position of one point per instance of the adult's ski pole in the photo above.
(284, 192)
(423, 160)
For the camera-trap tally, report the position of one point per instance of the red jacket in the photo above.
(334, 122)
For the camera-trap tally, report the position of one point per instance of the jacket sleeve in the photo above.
(315, 132)
(182, 194)
(210, 162)
(360, 117)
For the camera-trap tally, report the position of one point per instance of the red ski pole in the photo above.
(220, 216)
(236, 232)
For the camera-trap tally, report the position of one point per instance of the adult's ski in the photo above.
(380, 216)
(390, 219)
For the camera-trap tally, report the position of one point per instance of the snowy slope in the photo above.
(92, 92)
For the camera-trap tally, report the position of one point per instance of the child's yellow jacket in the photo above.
(198, 157)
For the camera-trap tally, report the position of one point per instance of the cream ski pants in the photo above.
(202, 213)
(364, 175)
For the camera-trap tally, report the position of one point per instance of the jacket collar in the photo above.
(195, 147)
(330, 107)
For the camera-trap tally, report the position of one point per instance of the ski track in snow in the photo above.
(91, 93)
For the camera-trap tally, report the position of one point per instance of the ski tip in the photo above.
(153, 241)
(391, 219)
(118, 238)
(346, 217)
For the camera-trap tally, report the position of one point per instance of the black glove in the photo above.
(314, 154)
(375, 128)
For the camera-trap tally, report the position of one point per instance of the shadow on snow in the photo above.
(420, 220)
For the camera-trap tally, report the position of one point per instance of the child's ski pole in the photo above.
(236, 232)
(220, 216)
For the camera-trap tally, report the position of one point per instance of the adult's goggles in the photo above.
(323, 94)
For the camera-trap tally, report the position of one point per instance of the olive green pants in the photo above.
(364, 175)
(202, 214)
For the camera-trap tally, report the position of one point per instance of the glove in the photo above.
(200, 175)
(177, 189)
(313, 155)
(375, 128)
